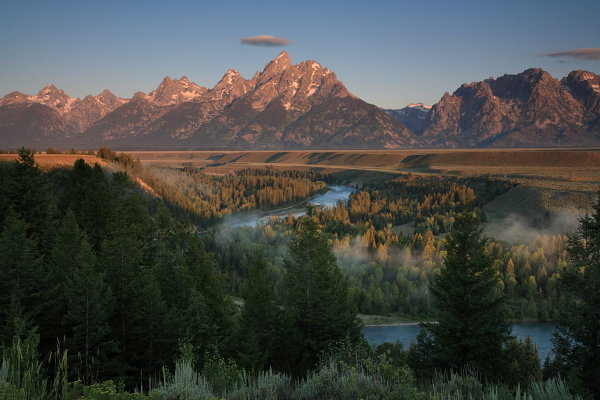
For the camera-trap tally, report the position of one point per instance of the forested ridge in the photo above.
(205, 199)
(109, 292)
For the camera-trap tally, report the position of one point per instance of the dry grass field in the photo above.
(572, 170)
(47, 161)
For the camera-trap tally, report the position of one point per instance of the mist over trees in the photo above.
(107, 289)
(577, 338)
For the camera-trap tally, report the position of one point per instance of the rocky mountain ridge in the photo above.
(530, 109)
(305, 106)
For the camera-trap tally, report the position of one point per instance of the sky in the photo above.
(389, 53)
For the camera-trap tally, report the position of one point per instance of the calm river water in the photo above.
(330, 198)
(540, 333)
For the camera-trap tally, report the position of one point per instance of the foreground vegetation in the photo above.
(107, 295)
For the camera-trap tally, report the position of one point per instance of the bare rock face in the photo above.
(585, 87)
(54, 115)
(527, 109)
(285, 105)
(175, 91)
(92, 108)
(55, 98)
(305, 106)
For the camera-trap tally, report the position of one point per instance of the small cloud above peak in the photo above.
(592, 54)
(265, 40)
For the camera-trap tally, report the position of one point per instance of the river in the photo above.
(540, 333)
(330, 198)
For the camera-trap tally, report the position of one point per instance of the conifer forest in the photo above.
(120, 280)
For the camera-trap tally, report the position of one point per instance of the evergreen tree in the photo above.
(472, 325)
(208, 293)
(259, 318)
(27, 193)
(65, 256)
(89, 305)
(317, 305)
(152, 330)
(87, 193)
(22, 274)
(199, 332)
(577, 338)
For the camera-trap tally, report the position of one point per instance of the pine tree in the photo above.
(21, 271)
(577, 338)
(152, 332)
(472, 325)
(89, 304)
(28, 195)
(198, 329)
(317, 304)
(88, 194)
(65, 256)
(207, 282)
(259, 318)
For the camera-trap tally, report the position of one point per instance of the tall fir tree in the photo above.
(87, 192)
(577, 338)
(152, 331)
(21, 269)
(259, 318)
(472, 326)
(89, 304)
(65, 255)
(317, 302)
(27, 193)
(208, 283)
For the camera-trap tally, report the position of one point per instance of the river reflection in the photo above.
(540, 333)
(330, 198)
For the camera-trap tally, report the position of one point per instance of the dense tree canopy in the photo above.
(577, 339)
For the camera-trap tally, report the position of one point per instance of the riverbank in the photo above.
(398, 320)
(328, 196)
(541, 333)
(391, 320)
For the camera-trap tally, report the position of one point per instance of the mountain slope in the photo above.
(285, 105)
(414, 116)
(530, 109)
(305, 106)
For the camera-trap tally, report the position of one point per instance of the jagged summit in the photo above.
(274, 67)
(175, 91)
(306, 106)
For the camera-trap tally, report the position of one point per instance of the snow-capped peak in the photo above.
(175, 91)
(54, 98)
(420, 106)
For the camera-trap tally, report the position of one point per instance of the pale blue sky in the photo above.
(390, 53)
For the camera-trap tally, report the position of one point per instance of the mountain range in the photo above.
(305, 106)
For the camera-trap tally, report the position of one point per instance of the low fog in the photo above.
(518, 229)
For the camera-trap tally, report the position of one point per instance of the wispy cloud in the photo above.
(265, 40)
(460, 51)
(580, 54)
